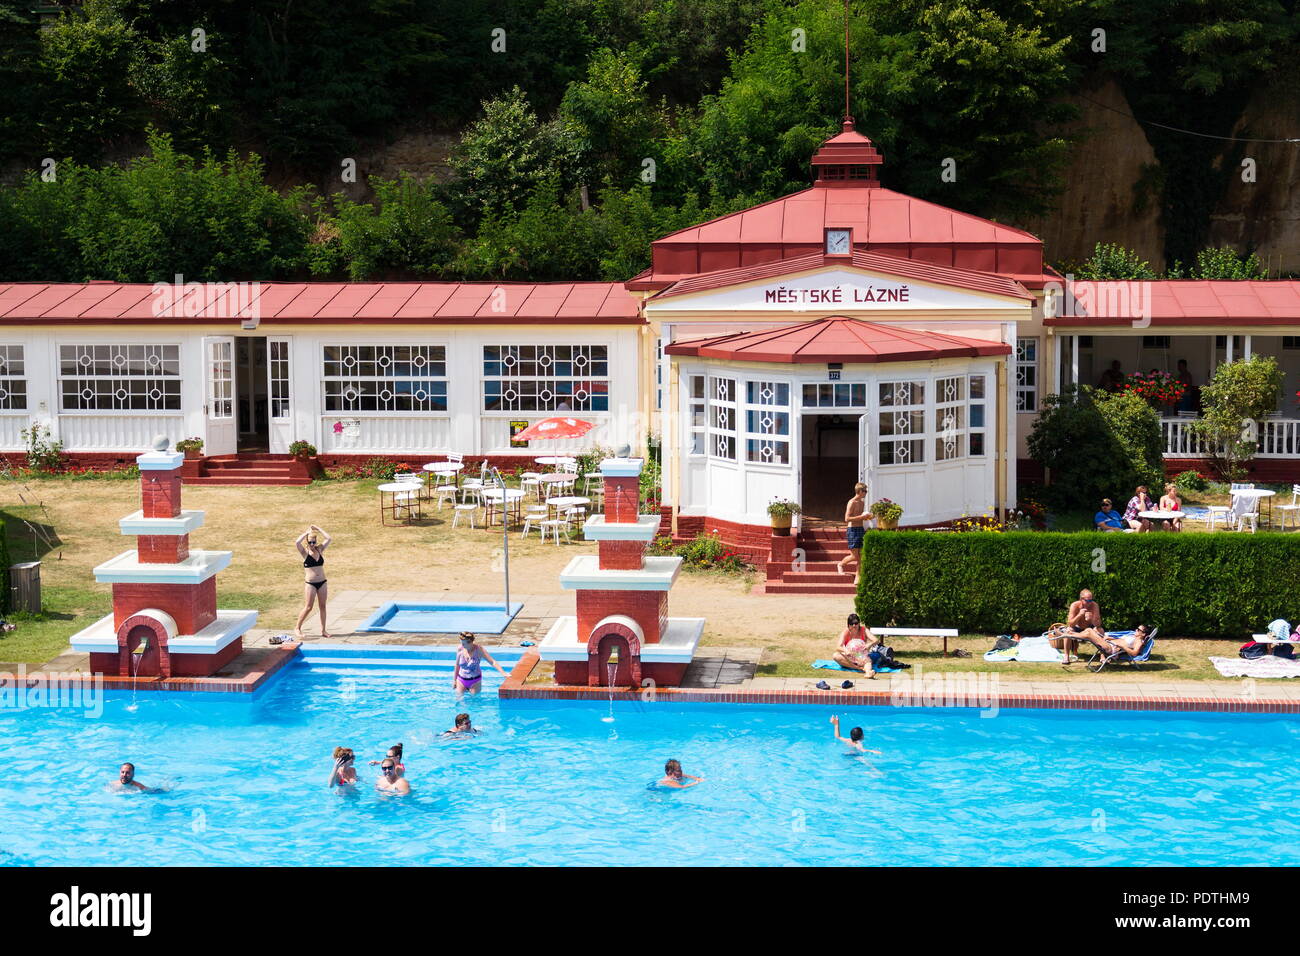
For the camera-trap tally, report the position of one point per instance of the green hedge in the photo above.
(1188, 585)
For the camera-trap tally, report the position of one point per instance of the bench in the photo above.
(944, 632)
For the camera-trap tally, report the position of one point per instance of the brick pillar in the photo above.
(160, 493)
(162, 548)
(622, 499)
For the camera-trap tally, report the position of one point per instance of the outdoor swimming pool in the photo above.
(441, 618)
(554, 783)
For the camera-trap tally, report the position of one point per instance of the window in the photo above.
(1288, 342)
(975, 415)
(1026, 375)
(1155, 342)
(722, 418)
(13, 379)
(546, 378)
(120, 378)
(696, 421)
(834, 395)
(902, 423)
(279, 360)
(950, 418)
(383, 378)
(767, 423)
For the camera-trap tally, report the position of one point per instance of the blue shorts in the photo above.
(855, 534)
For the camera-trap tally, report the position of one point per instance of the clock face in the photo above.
(837, 241)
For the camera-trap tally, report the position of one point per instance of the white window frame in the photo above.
(152, 353)
(537, 383)
(949, 403)
(769, 417)
(697, 415)
(13, 372)
(832, 390)
(1026, 375)
(903, 414)
(279, 380)
(981, 402)
(347, 360)
(720, 434)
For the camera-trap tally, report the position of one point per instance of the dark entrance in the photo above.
(829, 465)
(252, 389)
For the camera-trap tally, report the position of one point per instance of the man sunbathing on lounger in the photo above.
(1110, 646)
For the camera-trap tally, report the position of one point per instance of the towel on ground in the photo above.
(1036, 650)
(1267, 666)
(832, 666)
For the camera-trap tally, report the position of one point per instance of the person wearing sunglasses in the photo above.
(467, 676)
(463, 728)
(389, 780)
(394, 754)
(344, 773)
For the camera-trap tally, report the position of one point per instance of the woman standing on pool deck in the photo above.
(315, 589)
(468, 675)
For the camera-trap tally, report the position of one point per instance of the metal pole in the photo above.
(505, 532)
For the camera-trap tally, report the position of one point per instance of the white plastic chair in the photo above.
(467, 508)
(555, 525)
(530, 484)
(442, 493)
(1249, 513)
(1292, 509)
(534, 515)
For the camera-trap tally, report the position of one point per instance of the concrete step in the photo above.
(231, 480)
(786, 587)
(830, 576)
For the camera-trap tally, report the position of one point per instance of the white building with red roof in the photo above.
(846, 332)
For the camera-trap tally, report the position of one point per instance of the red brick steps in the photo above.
(822, 549)
(252, 469)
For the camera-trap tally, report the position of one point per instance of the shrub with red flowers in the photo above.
(1158, 388)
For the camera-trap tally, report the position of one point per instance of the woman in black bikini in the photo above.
(311, 545)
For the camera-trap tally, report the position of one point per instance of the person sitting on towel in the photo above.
(856, 644)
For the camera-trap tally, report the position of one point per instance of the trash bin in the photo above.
(25, 587)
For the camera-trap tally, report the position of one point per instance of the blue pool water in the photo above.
(441, 618)
(557, 783)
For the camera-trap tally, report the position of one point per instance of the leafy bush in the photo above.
(1097, 445)
(1239, 394)
(44, 451)
(704, 553)
(1110, 261)
(1191, 481)
(1188, 585)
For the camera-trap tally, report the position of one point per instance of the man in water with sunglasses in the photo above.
(389, 781)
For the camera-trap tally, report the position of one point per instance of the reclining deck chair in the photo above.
(1098, 661)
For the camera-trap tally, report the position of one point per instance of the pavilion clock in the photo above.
(838, 242)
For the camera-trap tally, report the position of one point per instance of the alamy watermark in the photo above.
(946, 689)
(24, 691)
(213, 300)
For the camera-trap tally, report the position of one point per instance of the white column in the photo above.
(1074, 359)
(1247, 352)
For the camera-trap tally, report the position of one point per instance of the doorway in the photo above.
(253, 399)
(829, 465)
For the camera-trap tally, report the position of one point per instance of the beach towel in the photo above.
(832, 666)
(1267, 666)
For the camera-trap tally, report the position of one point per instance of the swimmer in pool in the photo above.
(344, 773)
(126, 779)
(394, 754)
(674, 778)
(463, 728)
(468, 672)
(389, 781)
(854, 740)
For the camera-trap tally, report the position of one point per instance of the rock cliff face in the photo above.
(1106, 196)
(1113, 183)
(1265, 214)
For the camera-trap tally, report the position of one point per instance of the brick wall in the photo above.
(162, 548)
(194, 606)
(160, 493)
(622, 499)
(647, 608)
(621, 555)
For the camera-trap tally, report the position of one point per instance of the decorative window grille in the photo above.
(950, 418)
(546, 378)
(1026, 369)
(384, 378)
(902, 423)
(767, 422)
(722, 418)
(120, 378)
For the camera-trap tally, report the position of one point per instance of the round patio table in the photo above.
(410, 503)
(556, 478)
(1263, 494)
(1158, 515)
(567, 501)
(440, 468)
(514, 501)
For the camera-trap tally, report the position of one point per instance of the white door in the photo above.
(279, 391)
(223, 428)
(865, 464)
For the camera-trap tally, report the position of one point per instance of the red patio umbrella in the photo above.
(554, 428)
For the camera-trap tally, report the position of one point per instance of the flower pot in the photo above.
(887, 524)
(781, 524)
(191, 454)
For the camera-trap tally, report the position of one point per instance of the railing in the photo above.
(1277, 437)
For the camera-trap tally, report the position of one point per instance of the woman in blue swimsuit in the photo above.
(468, 674)
(311, 545)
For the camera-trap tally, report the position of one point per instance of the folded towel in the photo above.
(1268, 666)
(832, 666)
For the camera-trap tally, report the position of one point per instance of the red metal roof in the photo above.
(1188, 302)
(882, 221)
(837, 339)
(869, 261)
(596, 303)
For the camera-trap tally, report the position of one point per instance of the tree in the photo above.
(1110, 261)
(1096, 445)
(1221, 263)
(1238, 395)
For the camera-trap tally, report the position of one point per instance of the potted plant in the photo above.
(304, 457)
(886, 513)
(782, 512)
(192, 447)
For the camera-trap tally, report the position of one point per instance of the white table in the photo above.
(567, 501)
(1158, 515)
(556, 478)
(1244, 501)
(492, 498)
(410, 503)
